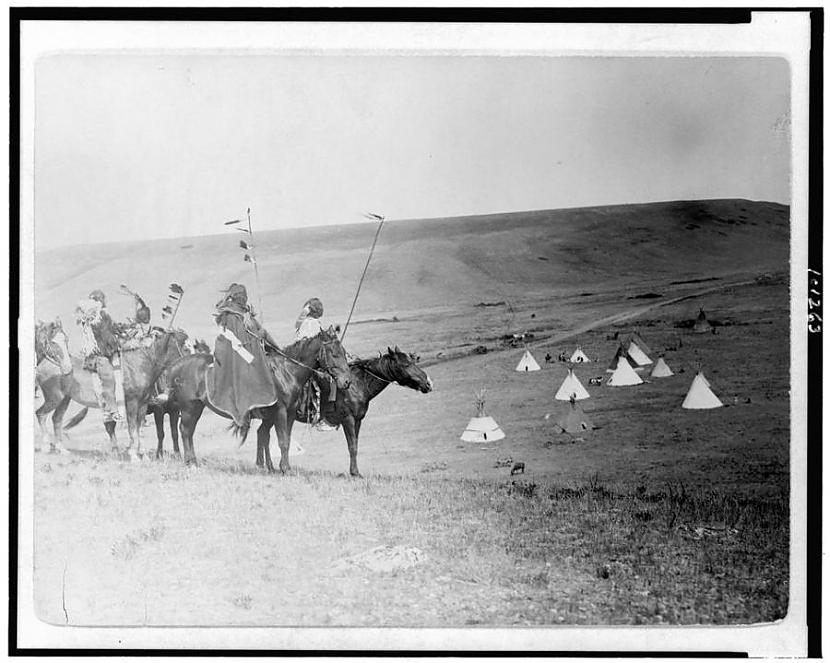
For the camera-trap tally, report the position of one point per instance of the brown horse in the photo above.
(163, 404)
(292, 366)
(140, 369)
(369, 378)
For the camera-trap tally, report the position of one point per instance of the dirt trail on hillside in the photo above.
(607, 320)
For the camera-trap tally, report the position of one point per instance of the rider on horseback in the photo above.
(100, 347)
(242, 378)
(307, 326)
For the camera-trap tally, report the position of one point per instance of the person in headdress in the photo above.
(308, 324)
(100, 348)
(241, 378)
(137, 331)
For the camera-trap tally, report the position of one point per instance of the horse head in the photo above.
(200, 346)
(404, 370)
(52, 344)
(332, 358)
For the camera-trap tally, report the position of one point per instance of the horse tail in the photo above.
(240, 431)
(78, 418)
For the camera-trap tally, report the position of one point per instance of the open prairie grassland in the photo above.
(660, 515)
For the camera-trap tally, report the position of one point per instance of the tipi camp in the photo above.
(702, 325)
(527, 363)
(579, 357)
(661, 369)
(624, 375)
(481, 427)
(571, 387)
(573, 420)
(621, 352)
(640, 341)
(700, 396)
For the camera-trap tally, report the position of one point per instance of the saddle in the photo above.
(309, 406)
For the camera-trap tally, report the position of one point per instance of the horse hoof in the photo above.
(356, 475)
(59, 449)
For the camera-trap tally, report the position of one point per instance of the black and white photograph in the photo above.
(429, 336)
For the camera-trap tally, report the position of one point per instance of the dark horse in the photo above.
(163, 404)
(369, 378)
(292, 367)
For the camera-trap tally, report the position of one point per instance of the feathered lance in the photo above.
(176, 294)
(376, 217)
(250, 256)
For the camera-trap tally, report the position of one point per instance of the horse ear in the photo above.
(388, 350)
(397, 350)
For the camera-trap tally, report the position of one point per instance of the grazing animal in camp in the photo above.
(518, 468)
(548, 357)
(596, 381)
(163, 404)
(292, 367)
(369, 378)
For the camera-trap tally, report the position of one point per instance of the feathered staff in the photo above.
(247, 247)
(174, 297)
(381, 219)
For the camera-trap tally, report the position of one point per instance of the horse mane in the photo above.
(297, 346)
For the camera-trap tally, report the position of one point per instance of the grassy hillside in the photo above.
(436, 264)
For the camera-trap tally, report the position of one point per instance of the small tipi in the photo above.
(636, 354)
(579, 357)
(528, 363)
(574, 421)
(571, 387)
(702, 325)
(624, 375)
(661, 369)
(700, 396)
(481, 427)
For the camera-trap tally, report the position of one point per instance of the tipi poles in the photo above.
(365, 269)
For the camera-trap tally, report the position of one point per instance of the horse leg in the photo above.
(109, 426)
(173, 413)
(263, 443)
(158, 416)
(131, 406)
(351, 427)
(57, 425)
(41, 413)
(280, 422)
(190, 414)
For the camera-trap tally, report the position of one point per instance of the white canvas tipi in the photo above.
(527, 363)
(661, 369)
(624, 375)
(481, 427)
(635, 353)
(573, 420)
(640, 341)
(571, 386)
(700, 396)
(579, 357)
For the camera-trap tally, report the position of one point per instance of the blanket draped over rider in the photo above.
(241, 378)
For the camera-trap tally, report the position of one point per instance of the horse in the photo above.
(163, 404)
(292, 366)
(141, 368)
(369, 378)
(53, 376)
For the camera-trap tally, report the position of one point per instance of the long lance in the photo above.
(175, 310)
(378, 217)
(250, 256)
(256, 270)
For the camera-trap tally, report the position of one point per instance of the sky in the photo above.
(150, 146)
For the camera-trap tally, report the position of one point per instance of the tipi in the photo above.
(702, 325)
(574, 420)
(579, 357)
(661, 369)
(620, 354)
(571, 387)
(481, 427)
(635, 353)
(527, 363)
(640, 341)
(624, 375)
(700, 396)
